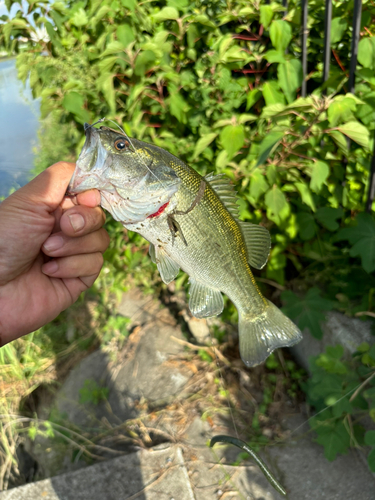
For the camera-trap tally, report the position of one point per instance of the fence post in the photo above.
(355, 39)
(327, 39)
(304, 47)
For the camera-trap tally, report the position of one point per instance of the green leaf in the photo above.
(290, 78)
(366, 52)
(340, 140)
(112, 48)
(280, 34)
(306, 195)
(340, 110)
(106, 85)
(334, 437)
(79, 18)
(232, 138)
(274, 56)
(253, 96)
(307, 227)
(370, 438)
(125, 34)
(202, 143)
(178, 106)
(272, 94)
(166, 13)
(327, 217)
(371, 460)
(73, 102)
(338, 28)
(266, 15)
(203, 19)
(319, 174)
(258, 184)
(244, 118)
(362, 237)
(268, 145)
(356, 132)
(307, 312)
(144, 62)
(275, 202)
(233, 54)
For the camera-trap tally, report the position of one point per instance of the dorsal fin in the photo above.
(258, 243)
(225, 191)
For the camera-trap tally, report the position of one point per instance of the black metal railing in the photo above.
(357, 14)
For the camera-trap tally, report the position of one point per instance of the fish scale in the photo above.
(197, 232)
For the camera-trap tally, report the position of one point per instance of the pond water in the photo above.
(19, 123)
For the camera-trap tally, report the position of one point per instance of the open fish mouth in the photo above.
(91, 165)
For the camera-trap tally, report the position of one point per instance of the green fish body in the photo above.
(191, 223)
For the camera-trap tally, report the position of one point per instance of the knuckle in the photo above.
(99, 260)
(106, 238)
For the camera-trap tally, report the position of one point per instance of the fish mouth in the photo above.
(92, 162)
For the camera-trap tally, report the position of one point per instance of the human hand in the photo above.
(38, 222)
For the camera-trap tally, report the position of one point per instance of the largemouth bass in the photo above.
(191, 223)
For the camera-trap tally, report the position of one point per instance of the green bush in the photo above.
(213, 83)
(218, 84)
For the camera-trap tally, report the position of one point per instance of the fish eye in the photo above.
(121, 144)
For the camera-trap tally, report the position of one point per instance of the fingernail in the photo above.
(50, 268)
(53, 243)
(77, 221)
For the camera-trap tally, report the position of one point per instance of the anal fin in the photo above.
(204, 301)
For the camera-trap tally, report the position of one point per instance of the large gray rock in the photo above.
(337, 329)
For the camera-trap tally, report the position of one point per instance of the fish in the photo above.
(192, 223)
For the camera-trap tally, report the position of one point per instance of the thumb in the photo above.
(47, 190)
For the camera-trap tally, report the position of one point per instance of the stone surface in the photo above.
(151, 369)
(200, 330)
(338, 329)
(144, 475)
(192, 471)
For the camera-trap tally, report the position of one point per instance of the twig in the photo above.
(365, 313)
(204, 348)
(358, 390)
(272, 283)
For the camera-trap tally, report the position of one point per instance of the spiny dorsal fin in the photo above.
(258, 243)
(204, 301)
(225, 191)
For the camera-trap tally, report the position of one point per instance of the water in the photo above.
(19, 123)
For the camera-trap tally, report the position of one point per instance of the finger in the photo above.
(74, 266)
(89, 198)
(81, 220)
(48, 188)
(76, 286)
(60, 245)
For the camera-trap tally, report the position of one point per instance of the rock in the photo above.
(337, 329)
(199, 329)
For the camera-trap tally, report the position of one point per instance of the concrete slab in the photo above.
(145, 475)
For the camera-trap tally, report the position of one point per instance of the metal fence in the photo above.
(326, 63)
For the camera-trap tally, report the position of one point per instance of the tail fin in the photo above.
(263, 333)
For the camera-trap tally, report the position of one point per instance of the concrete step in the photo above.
(192, 471)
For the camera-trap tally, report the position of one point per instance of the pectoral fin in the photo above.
(258, 243)
(167, 267)
(152, 253)
(204, 301)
